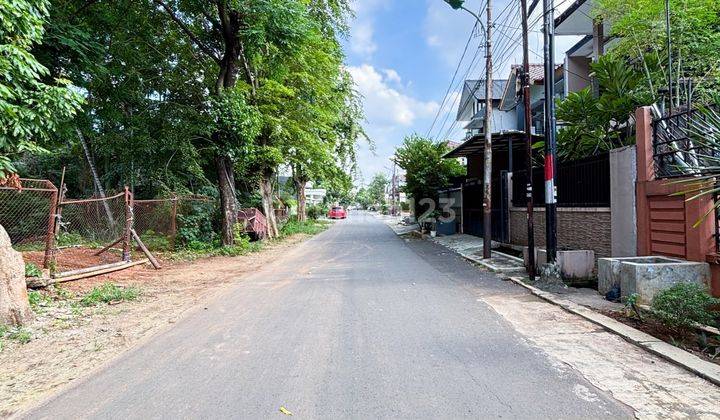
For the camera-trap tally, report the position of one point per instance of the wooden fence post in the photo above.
(127, 237)
(50, 238)
(173, 222)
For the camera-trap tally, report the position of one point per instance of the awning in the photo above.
(475, 145)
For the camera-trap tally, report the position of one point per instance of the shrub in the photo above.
(21, 335)
(32, 270)
(310, 227)
(684, 304)
(315, 211)
(155, 241)
(107, 293)
(69, 239)
(37, 300)
(195, 224)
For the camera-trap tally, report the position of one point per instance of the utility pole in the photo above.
(394, 190)
(550, 144)
(487, 176)
(528, 141)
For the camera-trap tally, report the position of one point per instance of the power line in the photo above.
(457, 69)
(447, 115)
(478, 82)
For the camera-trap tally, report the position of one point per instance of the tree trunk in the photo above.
(266, 191)
(14, 305)
(301, 210)
(226, 184)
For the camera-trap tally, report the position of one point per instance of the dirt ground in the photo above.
(68, 341)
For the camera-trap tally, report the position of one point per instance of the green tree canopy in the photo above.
(30, 107)
(427, 171)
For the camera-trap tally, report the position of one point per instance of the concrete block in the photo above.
(609, 273)
(648, 275)
(574, 264)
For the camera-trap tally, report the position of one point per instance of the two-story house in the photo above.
(472, 108)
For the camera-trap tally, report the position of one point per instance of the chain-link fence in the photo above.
(159, 221)
(92, 232)
(65, 234)
(27, 214)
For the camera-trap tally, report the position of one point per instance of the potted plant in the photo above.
(429, 223)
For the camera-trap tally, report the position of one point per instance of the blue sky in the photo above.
(402, 55)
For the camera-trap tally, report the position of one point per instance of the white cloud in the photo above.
(384, 105)
(391, 113)
(392, 76)
(361, 38)
(362, 32)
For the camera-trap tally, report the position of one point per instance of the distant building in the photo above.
(315, 196)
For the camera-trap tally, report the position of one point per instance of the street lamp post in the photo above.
(487, 175)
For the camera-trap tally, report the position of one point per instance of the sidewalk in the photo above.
(471, 248)
(584, 302)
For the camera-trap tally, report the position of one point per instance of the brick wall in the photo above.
(578, 228)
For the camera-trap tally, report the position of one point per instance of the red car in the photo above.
(337, 212)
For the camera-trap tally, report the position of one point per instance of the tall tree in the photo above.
(376, 189)
(244, 40)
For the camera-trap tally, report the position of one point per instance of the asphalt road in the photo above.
(355, 323)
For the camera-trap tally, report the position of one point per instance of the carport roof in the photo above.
(476, 144)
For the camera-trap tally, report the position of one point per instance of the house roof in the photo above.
(576, 19)
(509, 97)
(475, 89)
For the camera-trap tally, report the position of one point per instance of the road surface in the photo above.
(355, 323)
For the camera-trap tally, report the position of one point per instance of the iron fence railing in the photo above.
(686, 143)
(580, 183)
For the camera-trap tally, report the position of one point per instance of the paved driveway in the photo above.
(353, 323)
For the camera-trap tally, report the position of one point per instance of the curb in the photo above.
(706, 370)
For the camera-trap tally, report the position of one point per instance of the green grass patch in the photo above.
(38, 301)
(32, 270)
(19, 334)
(155, 241)
(107, 293)
(310, 227)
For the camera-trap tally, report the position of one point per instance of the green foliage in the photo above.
(256, 83)
(683, 305)
(32, 270)
(19, 334)
(426, 170)
(108, 292)
(600, 123)
(38, 300)
(376, 189)
(640, 38)
(30, 108)
(196, 226)
(155, 241)
(316, 211)
(310, 227)
(69, 239)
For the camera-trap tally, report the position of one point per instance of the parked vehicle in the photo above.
(337, 212)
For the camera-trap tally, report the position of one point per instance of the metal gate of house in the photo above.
(473, 210)
(684, 145)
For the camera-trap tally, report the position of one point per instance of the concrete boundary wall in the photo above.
(578, 228)
(623, 175)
